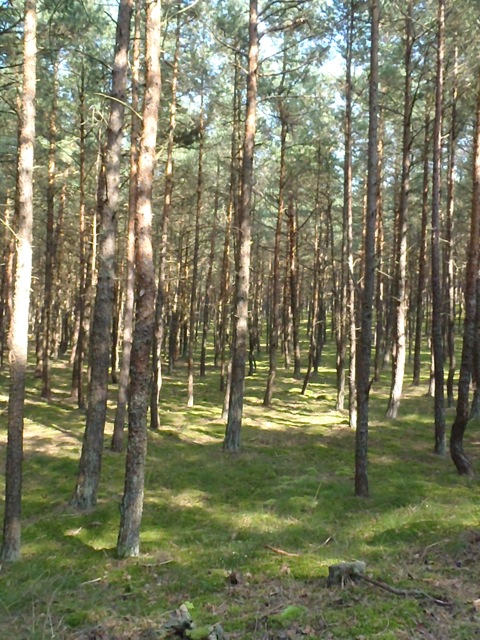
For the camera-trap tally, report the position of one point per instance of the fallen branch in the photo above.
(408, 593)
(282, 552)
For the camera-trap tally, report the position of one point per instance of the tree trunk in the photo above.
(437, 303)
(128, 321)
(235, 409)
(77, 358)
(398, 370)
(207, 303)
(365, 336)
(276, 279)
(294, 288)
(18, 338)
(422, 260)
(128, 543)
(49, 254)
(196, 246)
(449, 248)
(459, 457)
(159, 334)
(85, 493)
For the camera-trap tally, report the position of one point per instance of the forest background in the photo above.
(287, 190)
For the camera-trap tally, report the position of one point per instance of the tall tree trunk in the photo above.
(437, 303)
(10, 223)
(10, 550)
(159, 334)
(398, 370)
(123, 381)
(449, 249)
(207, 303)
(365, 336)
(49, 253)
(294, 287)
(459, 457)
(128, 543)
(85, 493)
(422, 260)
(224, 302)
(77, 359)
(196, 247)
(235, 409)
(276, 278)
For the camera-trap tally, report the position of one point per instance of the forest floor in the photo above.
(246, 540)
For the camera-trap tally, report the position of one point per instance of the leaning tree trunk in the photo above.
(85, 493)
(239, 351)
(459, 457)
(128, 543)
(365, 336)
(10, 550)
(437, 303)
(398, 371)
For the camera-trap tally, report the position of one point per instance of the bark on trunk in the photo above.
(457, 452)
(196, 247)
(422, 260)
(128, 322)
(437, 302)
(128, 543)
(49, 253)
(85, 493)
(276, 279)
(18, 339)
(235, 409)
(398, 371)
(159, 334)
(365, 337)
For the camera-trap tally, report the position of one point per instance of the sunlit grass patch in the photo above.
(278, 514)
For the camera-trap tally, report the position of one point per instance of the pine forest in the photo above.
(239, 319)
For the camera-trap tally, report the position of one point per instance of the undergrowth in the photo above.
(274, 517)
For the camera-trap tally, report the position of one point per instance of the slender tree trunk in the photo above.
(128, 543)
(294, 288)
(457, 452)
(422, 260)
(398, 371)
(365, 337)
(235, 409)
(225, 302)
(449, 249)
(49, 254)
(159, 334)
(10, 550)
(276, 279)
(437, 303)
(128, 320)
(10, 224)
(80, 305)
(85, 493)
(207, 303)
(196, 247)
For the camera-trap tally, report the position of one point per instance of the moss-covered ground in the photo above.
(247, 539)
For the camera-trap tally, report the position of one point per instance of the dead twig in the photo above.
(282, 552)
(408, 593)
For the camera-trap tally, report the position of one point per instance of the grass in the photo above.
(210, 516)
